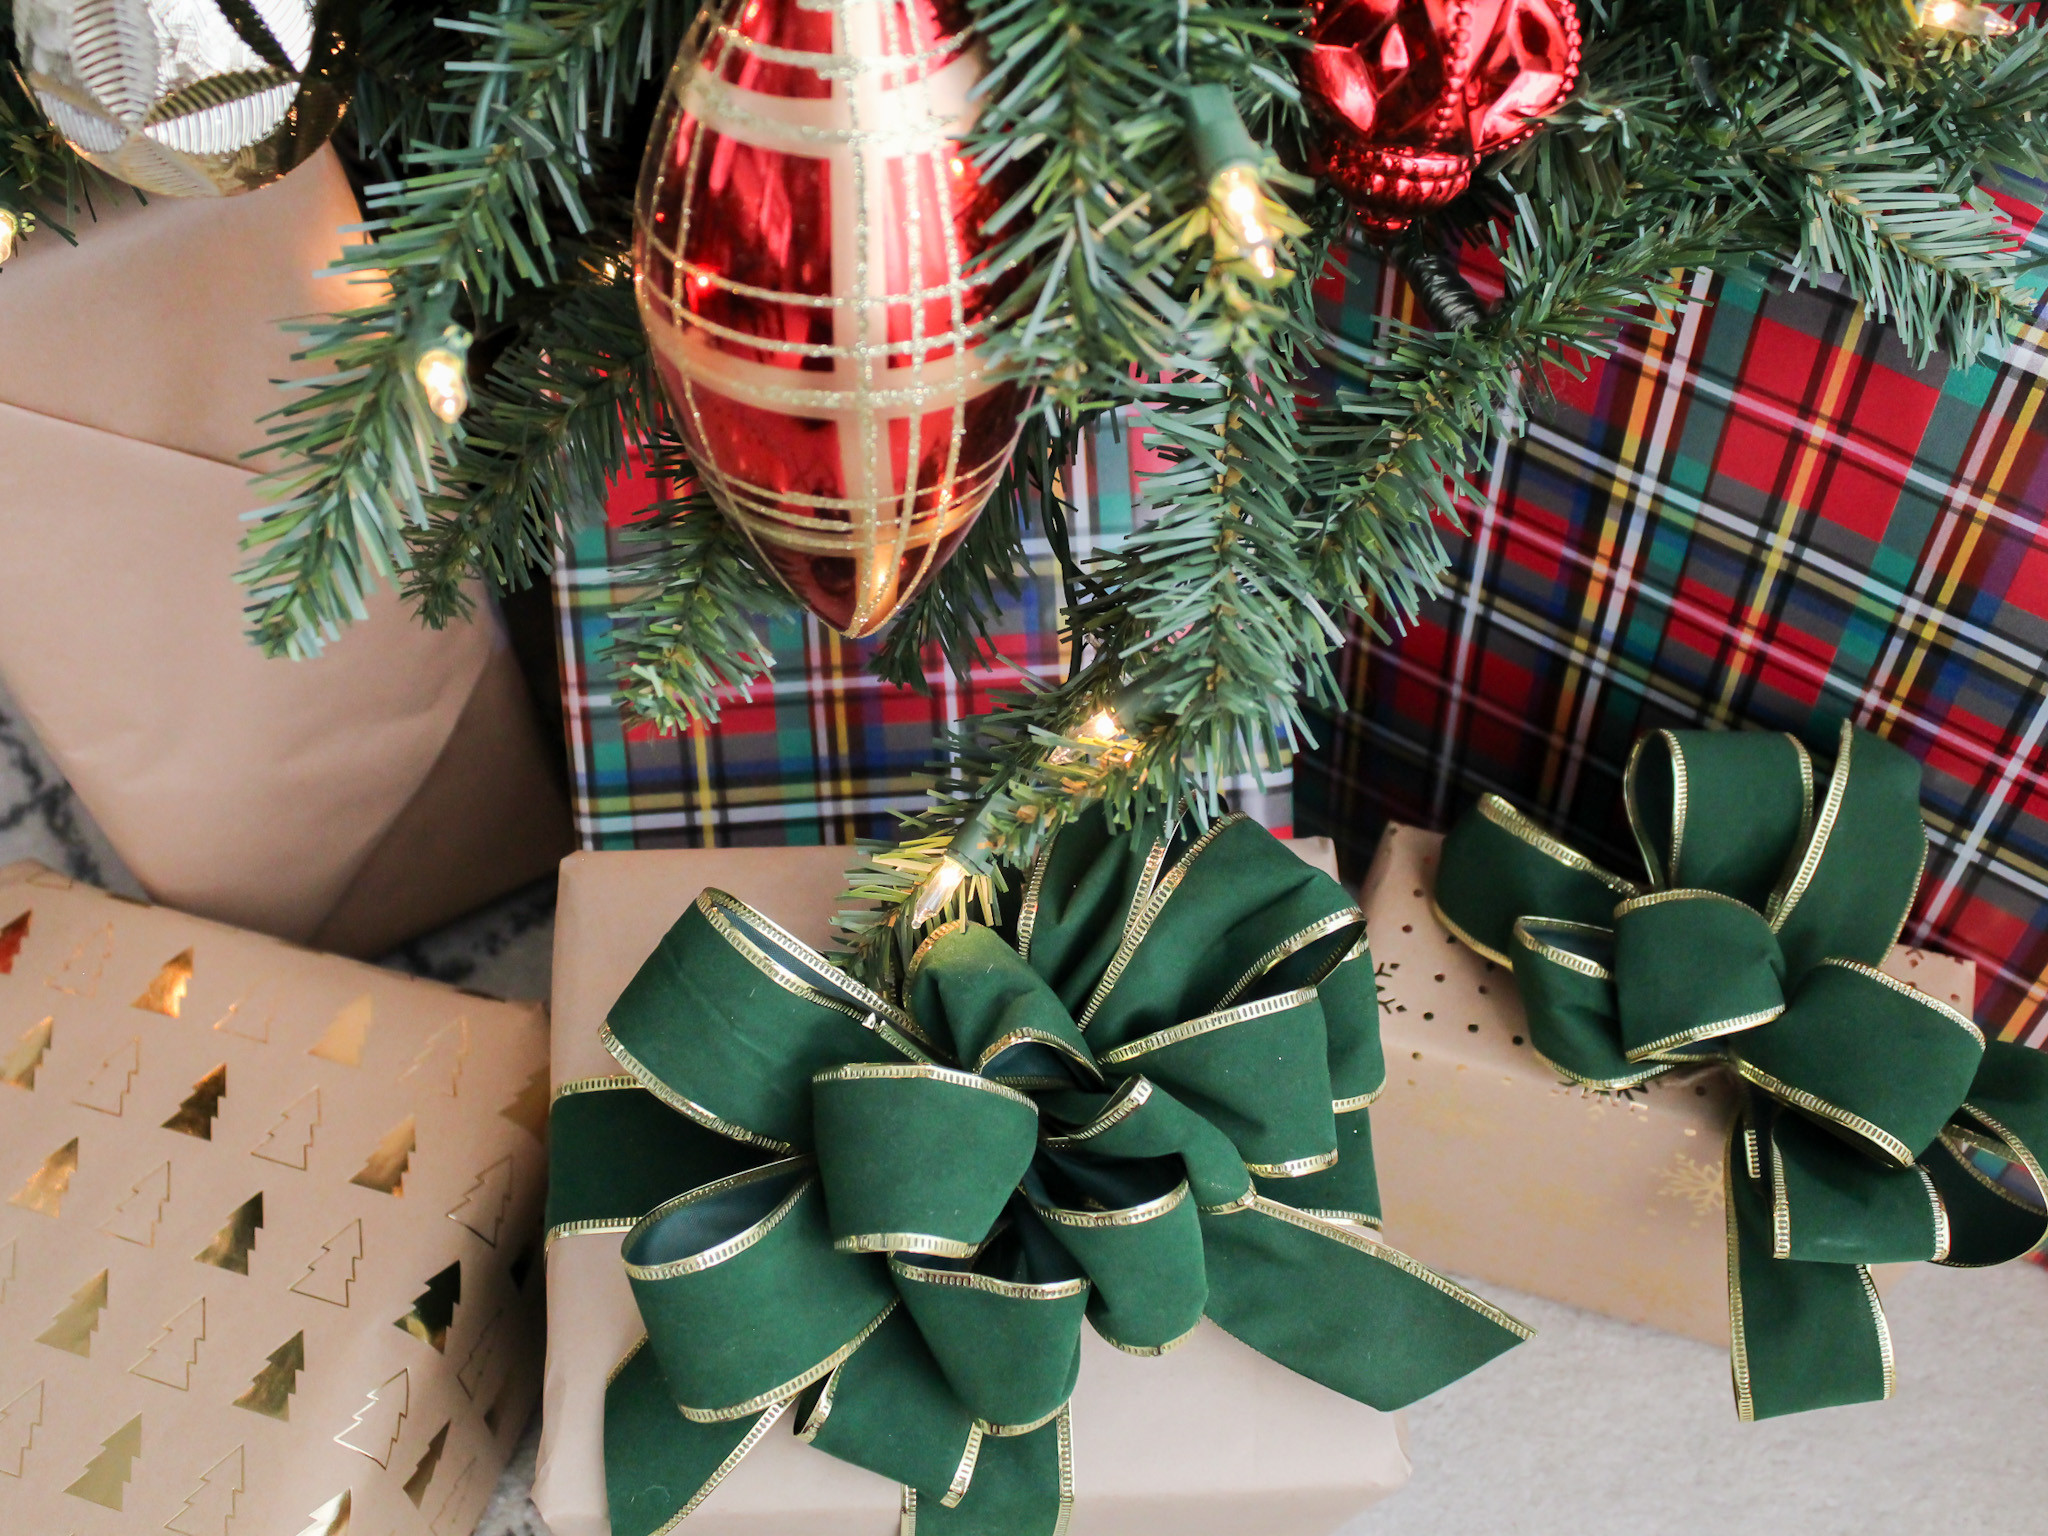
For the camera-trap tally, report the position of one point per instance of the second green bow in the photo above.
(1755, 945)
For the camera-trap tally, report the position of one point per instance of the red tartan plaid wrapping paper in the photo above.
(1766, 517)
(824, 751)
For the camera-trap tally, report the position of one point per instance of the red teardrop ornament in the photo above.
(807, 243)
(1410, 93)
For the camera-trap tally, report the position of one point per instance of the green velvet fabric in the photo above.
(1059, 1122)
(1771, 897)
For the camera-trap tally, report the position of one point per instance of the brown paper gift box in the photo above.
(1495, 1169)
(264, 1210)
(1211, 1440)
(348, 802)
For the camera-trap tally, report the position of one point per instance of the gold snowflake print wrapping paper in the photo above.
(269, 1254)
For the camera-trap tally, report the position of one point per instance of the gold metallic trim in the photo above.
(1939, 1207)
(1243, 1013)
(1150, 1351)
(1512, 821)
(594, 1085)
(1243, 1202)
(863, 1071)
(1127, 1101)
(1752, 1156)
(821, 1410)
(1336, 922)
(1738, 1338)
(1066, 1432)
(1680, 893)
(1013, 1431)
(1781, 1205)
(1044, 1037)
(739, 1453)
(967, 1280)
(1907, 989)
(1358, 1101)
(675, 1101)
(1372, 1247)
(625, 1360)
(1680, 797)
(1884, 1331)
(1128, 1216)
(858, 1002)
(1806, 797)
(790, 1388)
(1824, 828)
(911, 1242)
(1295, 1167)
(1144, 914)
(1347, 1218)
(1604, 1084)
(584, 1228)
(732, 1246)
(1484, 950)
(924, 948)
(1034, 886)
(1960, 1146)
(2017, 1150)
(1883, 1140)
(1564, 957)
(1711, 1031)
(963, 1475)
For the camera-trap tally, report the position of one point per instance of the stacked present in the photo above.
(270, 1255)
(1765, 516)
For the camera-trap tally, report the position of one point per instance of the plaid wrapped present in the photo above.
(1765, 517)
(824, 752)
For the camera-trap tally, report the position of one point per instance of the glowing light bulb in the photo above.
(939, 888)
(1966, 18)
(959, 166)
(1237, 203)
(10, 234)
(445, 378)
(1102, 726)
(700, 280)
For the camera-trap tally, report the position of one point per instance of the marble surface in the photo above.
(1594, 1428)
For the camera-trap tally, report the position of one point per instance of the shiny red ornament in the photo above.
(1410, 93)
(808, 240)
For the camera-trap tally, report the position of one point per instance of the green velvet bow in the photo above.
(1755, 946)
(1140, 1101)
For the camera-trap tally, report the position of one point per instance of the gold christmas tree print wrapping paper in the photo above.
(269, 1253)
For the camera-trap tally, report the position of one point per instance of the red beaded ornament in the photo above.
(807, 237)
(1412, 92)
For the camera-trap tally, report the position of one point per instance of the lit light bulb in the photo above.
(938, 889)
(1237, 202)
(1965, 18)
(10, 234)
(445, 378)
(1102, 726)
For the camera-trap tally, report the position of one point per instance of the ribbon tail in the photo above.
(658, 1465)
(1337, 1306)
(1023, 1486)
(1801, 1334)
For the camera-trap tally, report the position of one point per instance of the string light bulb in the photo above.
(939, 888)
(1244, 221)
(1964, 18)
(1102, 726)
(10, 233)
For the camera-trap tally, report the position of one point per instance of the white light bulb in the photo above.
(445, 379)
(938, 889)
(10, 234)
(1101, 726)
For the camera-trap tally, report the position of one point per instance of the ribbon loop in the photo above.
(1832, 1205)
(1134, 1228)
(1143, 1120)
(730, 1017)
(1497, 866)
(754, 1246)
(1001, 1019)
(889, 1409)
(917, 1158)
(1719, 810)
(1005, 1327)
(1258, 1072)
(1836, 1054)
(1691, 966)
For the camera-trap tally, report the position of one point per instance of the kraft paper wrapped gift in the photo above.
(1497, 1170)
(348, 802)
(270, 1243)
(1210, 1440)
